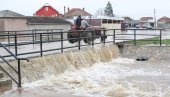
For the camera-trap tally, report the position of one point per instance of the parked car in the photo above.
(137, 26)
(147, 26)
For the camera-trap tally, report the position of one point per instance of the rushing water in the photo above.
(98, 73)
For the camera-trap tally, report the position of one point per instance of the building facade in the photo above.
(13, 23)
(72, 14)
(47, 11)
(164, 22)
(31, 23)
(107, 22)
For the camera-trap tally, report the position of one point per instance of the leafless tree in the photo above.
(100, 12)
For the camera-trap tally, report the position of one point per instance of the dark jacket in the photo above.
(78, 21)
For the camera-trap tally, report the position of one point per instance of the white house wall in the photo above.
(112, 26)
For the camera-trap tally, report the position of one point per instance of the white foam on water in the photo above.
(96, 72)
(112, 79)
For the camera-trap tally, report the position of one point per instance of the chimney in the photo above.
(68, 8)
(64, 9)
(83, 9)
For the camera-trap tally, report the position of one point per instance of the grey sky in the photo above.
(132, 8)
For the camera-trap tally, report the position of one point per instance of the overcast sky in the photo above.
(133, 8)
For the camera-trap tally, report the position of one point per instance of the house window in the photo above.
(104, 21)
(46, 8)
(109, 21)
(114, 21)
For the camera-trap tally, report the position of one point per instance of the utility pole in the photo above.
(155, 18)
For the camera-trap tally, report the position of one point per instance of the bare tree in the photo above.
(100, 12)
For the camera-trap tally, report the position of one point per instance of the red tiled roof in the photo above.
(76, 12)
(146, 18)
(164, 19)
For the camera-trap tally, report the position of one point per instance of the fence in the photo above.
(35, 42)
(39, 38)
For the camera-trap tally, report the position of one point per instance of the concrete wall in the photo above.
(15, 24)
(1, 25)
(112, 26)
(154, 53)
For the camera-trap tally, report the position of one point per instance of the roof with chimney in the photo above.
(76, 12)
(8, 13)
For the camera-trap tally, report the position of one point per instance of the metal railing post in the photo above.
(134, 37)
(48, 36)
(33, 35)
(19, 73)
(61, 42)
(114, 36)
(160, 37)
(9, 39)
(93, 38)
(41, 49)
(104, 36)
(79, 38)
(52, 34)
(16, 51)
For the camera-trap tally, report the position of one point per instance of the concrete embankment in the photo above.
(156, 53)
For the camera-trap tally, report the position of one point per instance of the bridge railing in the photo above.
(137, 35)
(17, 71)
(32, 43)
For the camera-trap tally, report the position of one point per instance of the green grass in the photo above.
(148, 41)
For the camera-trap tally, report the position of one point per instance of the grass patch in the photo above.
(148, 41)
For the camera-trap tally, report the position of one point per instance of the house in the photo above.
(107, 22)
(129, 22)
(12, 21)
(74, 12)
(47, 11)
(164, 22)
(147, 21)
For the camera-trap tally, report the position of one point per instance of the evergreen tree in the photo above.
(108, 10)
